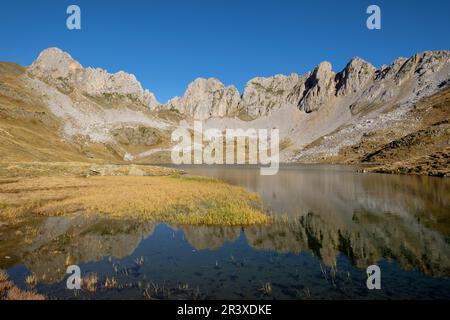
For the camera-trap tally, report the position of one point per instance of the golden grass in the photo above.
(90, 282)
(31, 281)
(170, 199)
(9, 170)
(8, 291)
(111, 283)
(17, 294)
(3, 276)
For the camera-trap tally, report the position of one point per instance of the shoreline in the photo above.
(444, 172)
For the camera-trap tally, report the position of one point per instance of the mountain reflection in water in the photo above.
(334, 216)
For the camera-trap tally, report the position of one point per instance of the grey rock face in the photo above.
(354, 77)
(407, 80)
(262, 95)
(320, 88)
(209, 98)
(206, 98)
(60, 70)
(360, 83)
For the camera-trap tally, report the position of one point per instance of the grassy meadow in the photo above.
(137, 192)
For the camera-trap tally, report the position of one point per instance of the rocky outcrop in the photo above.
(60, 70)
(359, 83)
(136, 135)
(206, 98)
(406, 99)
(320, 88)
(405, 81)
(263, 95)
(354, 77)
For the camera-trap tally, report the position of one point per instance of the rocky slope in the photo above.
(85, 113)
(323, 116)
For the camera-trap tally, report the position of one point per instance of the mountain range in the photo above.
(395, 117)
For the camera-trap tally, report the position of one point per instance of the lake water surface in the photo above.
(335, 223)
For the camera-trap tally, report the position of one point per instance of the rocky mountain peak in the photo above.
(53, 64)
(52, 57)
(323, 70)
(60, 70)
(354, 77)
(389, 71)
(206, 98)
(357, 83)
(200, 86)
(421, 64)
(319, 88)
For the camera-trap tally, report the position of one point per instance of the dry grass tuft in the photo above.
(111, 283)
(31, 281)
(17, 294)
(266, 289)
(90, 282)
(3, 276)
(8, 291)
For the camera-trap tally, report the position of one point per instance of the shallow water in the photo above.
(336, 223)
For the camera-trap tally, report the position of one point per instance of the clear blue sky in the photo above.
(168, 43)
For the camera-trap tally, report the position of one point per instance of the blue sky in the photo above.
(168, 43)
